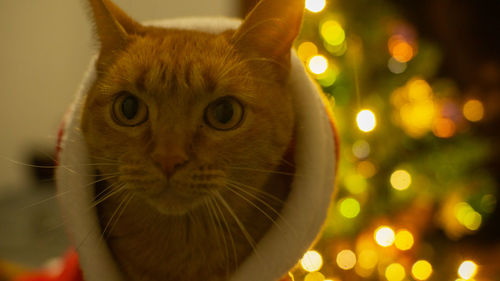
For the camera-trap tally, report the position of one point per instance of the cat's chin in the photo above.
(175, 204)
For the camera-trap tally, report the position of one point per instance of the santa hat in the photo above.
(303, 213)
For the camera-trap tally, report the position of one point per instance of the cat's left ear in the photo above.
(270, 29)
(112, 25)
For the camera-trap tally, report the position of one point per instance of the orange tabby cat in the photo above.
(192, 135)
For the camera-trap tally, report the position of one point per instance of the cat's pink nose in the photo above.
(169, 163)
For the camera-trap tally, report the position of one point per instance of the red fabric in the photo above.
(69, 272)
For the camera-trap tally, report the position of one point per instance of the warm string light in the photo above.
(467, 270)
(384, 236)
(346, 259)
(315, 6)
(421, 270)
(311, 261)
(467, 216)
(404, 240)
(366, 120)
(349, 207)
(400, 180)
(318, 64)
(395, 272)
(400, 49)
(473, 110)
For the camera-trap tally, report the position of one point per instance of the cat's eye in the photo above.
(224, 114)
(129, 110)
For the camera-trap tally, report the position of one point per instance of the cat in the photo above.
(192, 136)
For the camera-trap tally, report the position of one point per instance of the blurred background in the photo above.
(415, 88)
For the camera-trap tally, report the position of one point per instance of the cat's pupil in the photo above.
(130, 107)
(224, 112)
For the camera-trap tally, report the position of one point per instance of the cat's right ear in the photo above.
(112, 25)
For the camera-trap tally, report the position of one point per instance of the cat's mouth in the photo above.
(176, 198)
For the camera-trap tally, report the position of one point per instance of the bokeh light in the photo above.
(311, 261)
(473, 110)
(400, 179)
(315, 6)
(349, 207)
(346, 259)
(404, 240)
(395, 272)
(467, 269)
(416, 110)
(366, 120)
(467, 216)
(384, 236)
(361, 149)
(314, 276)
(421, 270)
(332, 32)
(318, 64)
(396, 66)
(366, 169)
(368, 259)
(444, 128)
(400, 49)
(306, 50)
(355, 183)
(472, 220)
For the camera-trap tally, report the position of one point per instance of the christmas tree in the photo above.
(412, 185)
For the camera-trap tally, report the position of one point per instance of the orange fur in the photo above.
(187, 225)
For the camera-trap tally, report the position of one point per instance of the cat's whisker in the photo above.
(106, 196)
(242, 227)
(232, 188)
(266, 204)
(257, 191)
(217, 209)
(220, 237)
(120, 209)
(263, 171)
(50, 198)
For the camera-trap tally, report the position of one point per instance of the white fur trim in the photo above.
(284, 244)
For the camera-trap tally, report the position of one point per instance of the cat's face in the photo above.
(176, 116)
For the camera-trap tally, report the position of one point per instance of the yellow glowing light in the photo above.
(349, 208)
(307, 50)
(444, 128)
(461, 210)
(404, 240)
(346, 259)
(355, 183)
(368, 259)
(384, 236)
(418, 90)
(400, 180)
(467, 270)
(315, 6)
(332, 32)
(318, 64)
(395, 272)
(473, 110)
(366, 120)
(361, 149)
(366, 169)
(328, 78)
(311, 261)
(472, 220)
(421, 270)
(314, 276)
